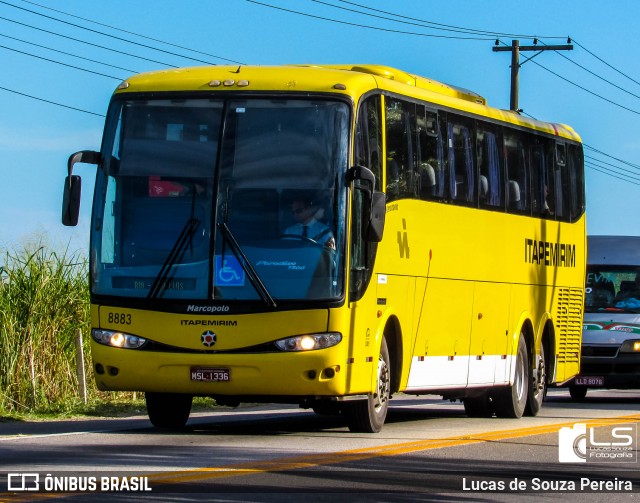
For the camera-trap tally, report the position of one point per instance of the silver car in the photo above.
(611, 332)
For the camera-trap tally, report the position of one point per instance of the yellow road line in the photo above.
(334, 458)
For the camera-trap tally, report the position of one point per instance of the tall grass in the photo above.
(44, 301)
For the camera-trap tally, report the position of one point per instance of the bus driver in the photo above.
(307, 224)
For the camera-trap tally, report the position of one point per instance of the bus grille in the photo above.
(569, 324)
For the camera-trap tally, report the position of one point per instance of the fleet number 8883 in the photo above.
(119, 318)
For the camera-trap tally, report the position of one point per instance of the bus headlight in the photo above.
(117, 339)
(309, 342)
(630, 346)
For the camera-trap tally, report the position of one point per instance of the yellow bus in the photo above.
(330, 236)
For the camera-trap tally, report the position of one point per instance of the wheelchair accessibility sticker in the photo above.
(228, 271)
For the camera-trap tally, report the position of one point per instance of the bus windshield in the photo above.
(613, 288)
(203, 199)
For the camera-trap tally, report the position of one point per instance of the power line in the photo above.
(596, 75)
(133, 33)
(600, 161)
(434, 25)
(66, 53)
(608, 173)
(60, 63)
(604, 62)
(51, 102)
(388, 30)
(585, 89)
(85, 42)
(612, 157)
(105, 34)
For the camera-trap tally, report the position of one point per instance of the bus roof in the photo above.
(613, 250)
(351, 80)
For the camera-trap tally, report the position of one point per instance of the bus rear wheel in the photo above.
(511, 401)
(168, 410)
(368, 416)
(537, 385)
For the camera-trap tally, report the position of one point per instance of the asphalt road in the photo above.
(428, 450)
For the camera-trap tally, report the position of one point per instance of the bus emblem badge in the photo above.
(208, 338)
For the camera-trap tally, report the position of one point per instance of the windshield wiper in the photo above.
(246, 265)
(176, 253)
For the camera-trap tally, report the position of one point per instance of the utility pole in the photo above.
(515, 49)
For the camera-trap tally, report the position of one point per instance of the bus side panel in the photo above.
(441, 354)
(489, 334)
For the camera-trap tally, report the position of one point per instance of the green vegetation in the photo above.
(44, 302)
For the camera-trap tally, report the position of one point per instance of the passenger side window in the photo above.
(461, 160)
(490, 181)
(561, 180)
(401, 155)
(576, 181)
(541, 197)
(517, 190)
(431, 165)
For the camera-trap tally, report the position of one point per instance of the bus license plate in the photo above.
(209, 374)
(589, 381)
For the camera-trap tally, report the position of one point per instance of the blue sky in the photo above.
(36, 137)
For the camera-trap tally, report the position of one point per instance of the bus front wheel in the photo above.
(511, 401)
(168, 410)
(368, 416)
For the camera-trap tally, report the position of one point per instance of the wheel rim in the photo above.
(382, 393)
(520, 378)
(540, 376)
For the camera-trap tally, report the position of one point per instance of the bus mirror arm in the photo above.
(72, 186)
(376, 218)
(377, 200)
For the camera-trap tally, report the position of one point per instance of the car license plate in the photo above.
(210, 374)
(589, 381)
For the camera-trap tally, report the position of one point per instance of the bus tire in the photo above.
(478, 406)
(511, 401)
(368, 416)
(537, 386)
(168, 410)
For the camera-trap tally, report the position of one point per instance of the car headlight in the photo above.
(309, 342)
(630, 346)
(117, 339)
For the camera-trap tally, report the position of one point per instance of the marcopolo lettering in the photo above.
(192, 308)
(549, 254)
(210, 323)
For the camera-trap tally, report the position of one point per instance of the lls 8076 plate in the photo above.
(589, 381)
(210, 374)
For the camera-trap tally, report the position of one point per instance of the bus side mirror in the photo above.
(376, 219)
(71, 200)
(72, 186)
